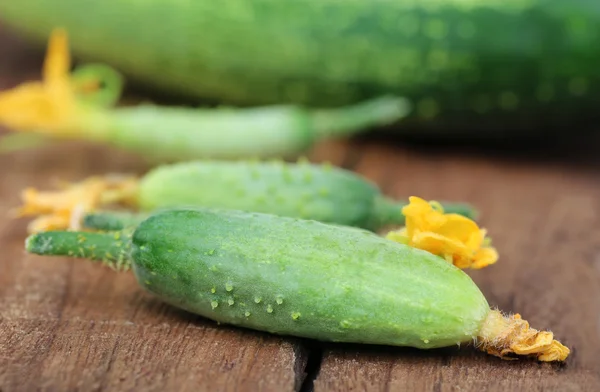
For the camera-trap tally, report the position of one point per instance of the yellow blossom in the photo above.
(456, 238)
(63, 209)
(54, 105)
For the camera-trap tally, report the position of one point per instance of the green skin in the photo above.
(293, 277)
(507, 65)
(301, 190)
(180, 134)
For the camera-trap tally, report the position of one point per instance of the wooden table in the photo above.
(68, 325)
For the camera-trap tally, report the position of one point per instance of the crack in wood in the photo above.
(313, 366)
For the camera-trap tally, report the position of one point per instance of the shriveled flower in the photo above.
(454, 237)
(63, 209)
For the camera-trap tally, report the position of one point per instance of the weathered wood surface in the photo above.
(545, 220)
(66, 325)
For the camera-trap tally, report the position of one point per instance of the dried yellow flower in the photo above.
(64, 208)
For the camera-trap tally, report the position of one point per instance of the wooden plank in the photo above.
(68, 324)
(545, 220)
(71, 325)
(359, 369)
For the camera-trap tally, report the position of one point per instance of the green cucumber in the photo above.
(295, 277)
(503, 65)
(302, 190)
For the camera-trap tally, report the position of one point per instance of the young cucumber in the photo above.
(305, 278)
(302, 190)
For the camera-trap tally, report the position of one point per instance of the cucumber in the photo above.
(503, 65)
(298, 277)
(302, 190)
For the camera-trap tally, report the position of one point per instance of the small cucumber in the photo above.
(303, 278)
(301, 190)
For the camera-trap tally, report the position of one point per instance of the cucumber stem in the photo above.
(112, 249)
(112, 221)
(389, 212)
(348, 120)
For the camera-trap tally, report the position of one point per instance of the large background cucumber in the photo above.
(508, 65)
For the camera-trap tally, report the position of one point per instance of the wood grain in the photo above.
(544, 217)
(68, 325)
